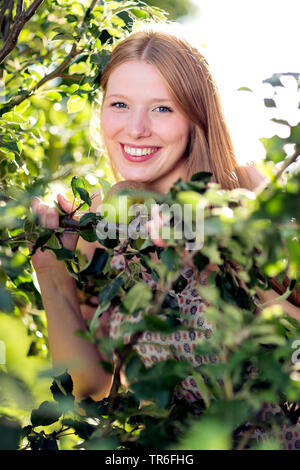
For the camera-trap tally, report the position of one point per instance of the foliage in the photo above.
(51, 81)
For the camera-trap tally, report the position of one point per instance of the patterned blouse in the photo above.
(153, 347)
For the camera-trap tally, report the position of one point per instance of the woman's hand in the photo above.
(49, 217)
(154, 225)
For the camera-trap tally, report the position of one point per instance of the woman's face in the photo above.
(145, 134)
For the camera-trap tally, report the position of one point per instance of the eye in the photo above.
(164, 109)
(119, 105)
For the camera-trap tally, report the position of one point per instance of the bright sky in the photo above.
(245, 43)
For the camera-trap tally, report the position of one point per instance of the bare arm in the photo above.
(271, 296)
(68, 350)
(64, 317)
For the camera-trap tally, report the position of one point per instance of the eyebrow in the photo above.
(126, 97)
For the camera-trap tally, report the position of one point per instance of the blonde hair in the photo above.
(188, 78)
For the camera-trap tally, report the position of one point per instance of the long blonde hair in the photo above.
(188, 78)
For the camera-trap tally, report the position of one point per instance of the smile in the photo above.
(138, 154)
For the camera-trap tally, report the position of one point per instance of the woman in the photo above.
(161, 120)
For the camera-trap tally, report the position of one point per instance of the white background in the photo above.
(246, 42)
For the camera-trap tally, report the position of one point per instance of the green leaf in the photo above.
(89, 218)
(204, 390)
(10, 432)
(46, 414)
(244, 88)
(96, 265)
(100, 59)
(82, 429)
(62, 34)
(170, 258)
(10, 144)
(13, 117)
(59, 209)
(89, 235)
(109, 291)
(95, 320)
(203, 176)
(42, 240)
(6, 300)
(78, 188)
(72, 18)
(138, 297)
(269, 103)
(154, 323)
(76, 182)
(139, 13)
(53, 96)
(75, 104)
(62, 387)
(61, 253)
(54, 243)
(84, 195)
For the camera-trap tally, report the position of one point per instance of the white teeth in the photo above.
(138, 152)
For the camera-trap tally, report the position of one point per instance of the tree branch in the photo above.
(30, 62)
(3, 10)
(32, 9)
(19, 7)
(55, 73)
(20, 19)
(8, 20)
(289, 161)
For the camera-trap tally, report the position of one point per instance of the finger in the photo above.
(36, 201)
(50, 218)
(154, 225)
(153, 229)
(66, 205)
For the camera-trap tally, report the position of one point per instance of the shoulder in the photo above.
(255, 177)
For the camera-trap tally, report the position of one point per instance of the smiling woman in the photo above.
(161, 120)
(159, 95)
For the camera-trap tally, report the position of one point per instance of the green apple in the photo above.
(115, 206)
(115, 209)
(189, 197)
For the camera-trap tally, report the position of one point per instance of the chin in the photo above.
(139, 176)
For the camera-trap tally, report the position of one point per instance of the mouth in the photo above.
(139, 154)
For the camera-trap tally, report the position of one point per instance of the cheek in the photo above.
(109, 125)
(177, 132)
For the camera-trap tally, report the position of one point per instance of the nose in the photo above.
(138, 124)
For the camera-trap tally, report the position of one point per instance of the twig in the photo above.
(19, 7)
(20, 235)
(122, 356)
(245, 438)
(55, 73)
(289, 161)
(75, 77)
(15, 30)
(30, 62)
(3, 10)
(8, 20)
